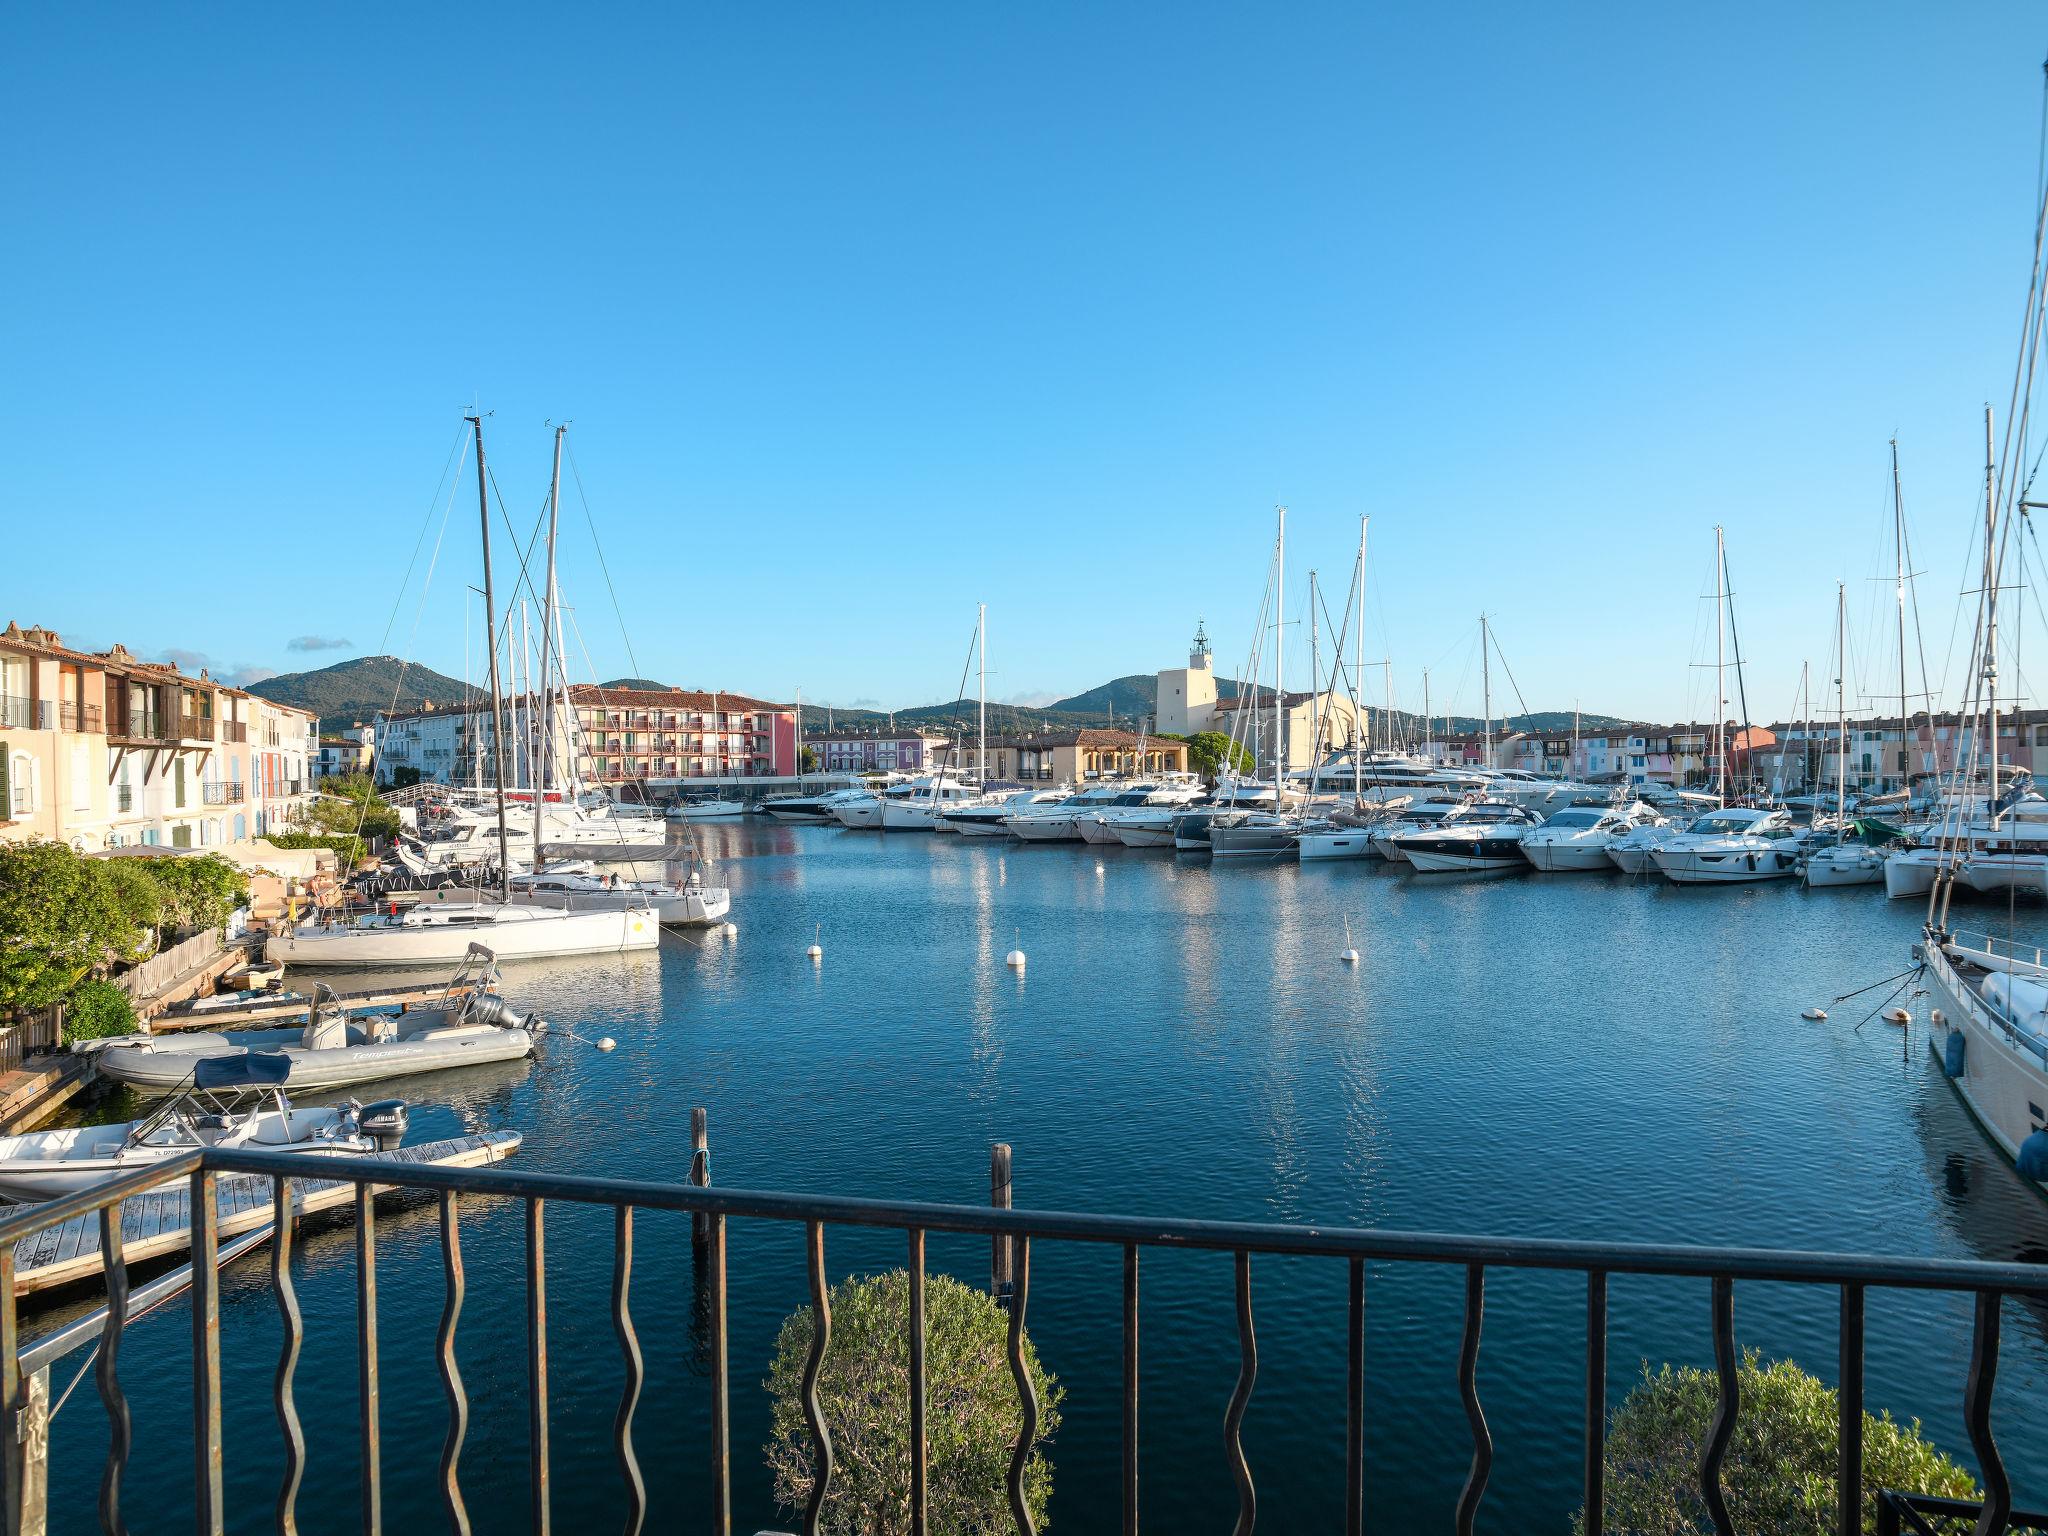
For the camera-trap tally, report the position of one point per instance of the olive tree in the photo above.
(972, 1415)
(1780, 1472)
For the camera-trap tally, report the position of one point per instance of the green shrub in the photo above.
(197, 892)
(60, 916)
(972, 1413)
(1211, 752)
(134, 890)
(1780, 1472)
(348, 849)
(97, 1009)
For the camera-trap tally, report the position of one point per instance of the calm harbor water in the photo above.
(1564, 1056)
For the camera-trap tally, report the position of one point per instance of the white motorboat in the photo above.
(860, 810)
(690, 904)
(1333, 840)
(466, 1027)
(984, 817)
(801, 807)
(1055, 822)
(1989, 1030)
(1428, 814)
(1471, 843)
(441, 933)
(708, 810)
(1579, 837)
(1732, 846)
(222, 1106)
(1635, 851)
(1844, 864)
(1101, 826)
(1253, 835)
(919, 805)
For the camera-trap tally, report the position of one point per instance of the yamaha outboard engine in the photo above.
(384, 1122)
(489, 1008)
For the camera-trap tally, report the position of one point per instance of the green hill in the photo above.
(351, 691)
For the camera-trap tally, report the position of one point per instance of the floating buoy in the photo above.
(729, 929)
(1015, 958)
(816, 950)
(1814, 1013)
(1349, 957)
(1347, 954)
(1897, 1016)
(607, 1043)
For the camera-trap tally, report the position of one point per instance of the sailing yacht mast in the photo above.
(1720, 673)
(1991, 610)
(1841, 702)
(483, 506)
(1899, 548)
(1315, 678)
(1428, 718)
(1279, 655)
(1485, 694)
(981, 659)
(1358, 669)
(547, 655)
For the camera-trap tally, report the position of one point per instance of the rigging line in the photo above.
(602, 564)
(957, 731)
(1494, 632)
(448, 465)
(1741, 687)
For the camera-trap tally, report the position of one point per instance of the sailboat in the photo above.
(441, 933)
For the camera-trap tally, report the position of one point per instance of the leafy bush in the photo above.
(349, 849)
(132, 888)
(60, 916)
(346, 806)
(1780, 1471)
(1211, 752)
(97, 1009)
(198, 892)
(971, 1408)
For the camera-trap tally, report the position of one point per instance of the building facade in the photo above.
(345, 752)
(1187, 703)
(669, 736)
(881, 751)
(1073, 757)
(104, 750)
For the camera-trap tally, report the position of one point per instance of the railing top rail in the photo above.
(27, 1221)
(1162, 1232)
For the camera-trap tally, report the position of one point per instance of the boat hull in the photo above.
(1580, 857)
(1443, 855)
(1684, 866)
(563, 933)
(1346, 843)
(165, 1066)
(2001, 1080)
(1909, 874)
(1251, 842)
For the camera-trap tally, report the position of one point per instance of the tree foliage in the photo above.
(972, 1412)
(198, 892)
(97, 1009)
(348, 805)
(60, 915)
(1780, 1471)
(1211, 752)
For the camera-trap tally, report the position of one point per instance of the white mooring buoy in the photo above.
(607, 1043)
(817, 950)
(1814, 1013)
(1897, 1016)
(1348, 955)
(1015, 958)
(730, 929)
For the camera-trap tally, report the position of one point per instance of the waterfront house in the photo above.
(1071, 757)
(891, 749)
(664, 738)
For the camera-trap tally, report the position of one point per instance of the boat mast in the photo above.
(1279, 657)
(1720, 672)
(1486, 695)
(1899, 546)
(1428, 719)
(1315, 678)
(483, 506)
(548, 639)
(1357, 670)
(1841, 702)
(981, 658)
(1991, 609)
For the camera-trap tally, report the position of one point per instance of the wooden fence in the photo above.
(157, 972)
(38, 1032)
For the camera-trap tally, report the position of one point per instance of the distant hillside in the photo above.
(355, 690)
(643, 684)
(1135, 695)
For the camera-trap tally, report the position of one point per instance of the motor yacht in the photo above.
(1430, 814)
(1469, 842)
(708, 810)
(1054, 822)
(1731, 846)
(983, 817)
(1102, 826)
(1578, 837)
(918, 805)
(441, 933)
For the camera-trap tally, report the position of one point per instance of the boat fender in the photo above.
(384, 1122)
(1814, 1013)
(2033, 1157)
(1897, 1016)
(1952, 1054)
(1937, 1018)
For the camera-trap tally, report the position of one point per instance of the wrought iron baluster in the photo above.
(206, 1451)
(1240, 1396)
(1849, 1468)
(919, 1449)
(1027, 1394)
(451, 1377)
(120, 1429)
(1977, 1415)
(288, 1356)
(629, 1347)
(366, 1360)
(1596, 1402)
(1722, 1429)
(1354, 1405)
(721, 1400)
(1468, 1389)
(1130, 1389)
(814, 1416)
(537, 1363)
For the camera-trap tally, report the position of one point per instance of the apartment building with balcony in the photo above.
(457, 744)
(101, 749)
(881, 751)
(663, 738)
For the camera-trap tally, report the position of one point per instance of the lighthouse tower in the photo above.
(1187, 695)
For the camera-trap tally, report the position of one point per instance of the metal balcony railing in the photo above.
(1012, 1235)
(21, 713)
(124, 798)
(224, 794)
(131, 725)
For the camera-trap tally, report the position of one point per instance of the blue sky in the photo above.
(865, 314)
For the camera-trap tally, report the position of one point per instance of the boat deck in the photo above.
(259, 1010)
(159, 1224)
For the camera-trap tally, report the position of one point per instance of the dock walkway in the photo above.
(159, 1223)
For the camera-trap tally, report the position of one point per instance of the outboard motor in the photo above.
(384, 1122)
(489, 1008)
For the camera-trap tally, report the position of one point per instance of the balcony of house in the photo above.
(195, 730)
(21, 713)
(140, 726)
(497, 1221)
(236, 731)
(124, 799)
(74, 716)
(223, 794)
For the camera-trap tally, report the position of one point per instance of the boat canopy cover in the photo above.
(1875, 832)
(251, 1069)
